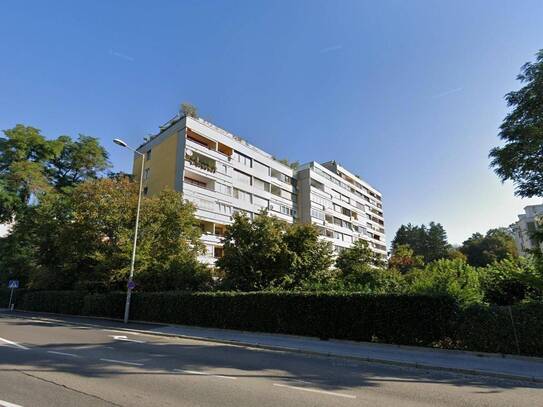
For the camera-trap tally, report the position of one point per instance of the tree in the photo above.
(269, 253)
(31, 165)
(189, 110)
(521, 158)
(24, 153)
(496, 245)
(254, 252)
(447, 277)
(78, 161)
(512, 280)
(83, 240)
(363, 270)
(404, 259)
(358, 258)
(307, 257)
(430, 241)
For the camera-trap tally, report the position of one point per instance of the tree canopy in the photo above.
(31, 165)
(521, 158)
(430, 241)
(496, 245)
(267, 252)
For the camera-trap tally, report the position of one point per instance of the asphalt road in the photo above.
(57, 364)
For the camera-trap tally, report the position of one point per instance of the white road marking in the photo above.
(220, 376)
(330, 393)
(122, 362)
(7, 404)
(63, 353)
(13, 344)
(125, 339)
(157, 355)
(121, 332)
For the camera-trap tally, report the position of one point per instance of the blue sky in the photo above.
(408, 94)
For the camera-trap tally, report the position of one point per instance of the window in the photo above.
(148, 155)
(285, 210)
(223, 189)
(321, 201)
(317, 214)
(242, 178)
(222, 169)
(145, 191)
(146, 173)
(261, 167)
(223, 208)
(262, 185)
(260, 202)
(193, 181)
(317, 184)
(218, 252)
(242, 195)
(280, 176)
(241, 158)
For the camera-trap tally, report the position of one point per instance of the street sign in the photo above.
(131, 284)
(13, 284)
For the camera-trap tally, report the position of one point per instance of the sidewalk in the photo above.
(508, 367)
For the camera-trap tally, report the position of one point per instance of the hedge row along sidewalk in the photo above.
(421, 320)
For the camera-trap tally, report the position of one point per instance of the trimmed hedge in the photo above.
(490, 329)
(61, 302)
(400, 319)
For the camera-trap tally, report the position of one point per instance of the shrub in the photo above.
(510, 281)
(447, 277)
(62, 302)
(490, 329)
(401, 319)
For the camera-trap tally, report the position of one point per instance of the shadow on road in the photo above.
(159, 356)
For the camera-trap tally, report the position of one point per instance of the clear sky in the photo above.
(408, 94)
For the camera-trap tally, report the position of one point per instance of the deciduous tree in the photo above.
(521, 158)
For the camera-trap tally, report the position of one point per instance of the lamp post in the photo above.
(130, 284)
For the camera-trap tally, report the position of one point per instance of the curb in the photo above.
(249, 345)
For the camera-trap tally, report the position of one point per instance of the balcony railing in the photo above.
(203, 164)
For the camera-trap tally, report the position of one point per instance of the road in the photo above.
(59, 364)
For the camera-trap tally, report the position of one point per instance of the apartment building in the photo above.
(341, 205)
(218, 172)
(223, 174)
(527, 223)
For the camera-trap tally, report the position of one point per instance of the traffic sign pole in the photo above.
(10, 298)
(13, 284)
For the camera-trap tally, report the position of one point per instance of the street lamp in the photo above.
(130, 284)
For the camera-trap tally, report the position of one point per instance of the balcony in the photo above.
(210, 144)
(201, 161)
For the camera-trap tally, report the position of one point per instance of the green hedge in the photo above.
(62, 302)
(401, 319)
(490, 329)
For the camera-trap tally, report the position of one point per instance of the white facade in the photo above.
(522, 230)
(341, 205)
(222, 174)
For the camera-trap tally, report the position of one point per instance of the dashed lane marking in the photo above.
(8, 404)
(330, 393)
(8, 342)
(63, 353)
(122, 362)
(195, 372)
